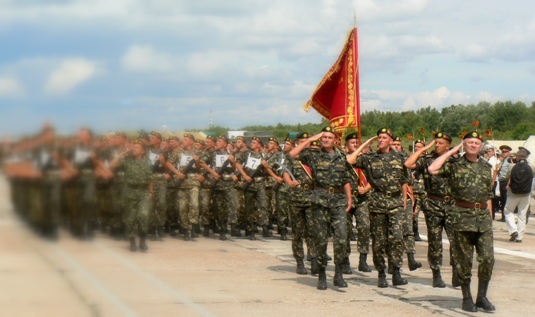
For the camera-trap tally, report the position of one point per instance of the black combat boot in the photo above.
(382, 283)
(222, 235)
(195, 229)
(265, 232)
(481, 300)
(322, 279)
(142, 243)
(345, 266)
(390, 267)
(468, 302)
(251, 235)
(206, 232)
(186, 235)
(454, 277)
(234, 232)
(413, 264)
(133, 246)
(301, 268)
(161, 233)
(339, 277)
(437, 279)
(416, 230)
(314, 266)
(363, 266)
(397, 279)
(283, 234)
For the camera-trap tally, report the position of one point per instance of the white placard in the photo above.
(184, 160)
(153, 157)
(80, 156)
(220, 159)
(252, 162)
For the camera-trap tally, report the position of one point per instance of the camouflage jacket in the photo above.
(386, 173)
(329, 170)
(180, 160)
(154, 157)
(470, 182)
(137, 172)
(434, 184)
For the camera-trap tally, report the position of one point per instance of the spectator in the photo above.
(503, 171)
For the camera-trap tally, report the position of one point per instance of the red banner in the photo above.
(337, 97)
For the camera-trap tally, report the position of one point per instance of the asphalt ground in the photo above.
(238, 277)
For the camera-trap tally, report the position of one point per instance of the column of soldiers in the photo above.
(151, 186)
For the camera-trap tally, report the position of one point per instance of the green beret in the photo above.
(327, 129)
(443, 135)
(473, 135)
(210, 138)
(385, 131)
(240, 138)
(315, 143)
(255, 138)
(189, 136)
(420, 141)
(397, 138)
(156, 134)
(274, 140)
(352, 136)
(222, 137)
(173, 137)
(303, 135)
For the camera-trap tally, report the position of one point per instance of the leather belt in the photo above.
(306, 186)
(389, 194)
(445, 199)
(466, 204)
(331, 189)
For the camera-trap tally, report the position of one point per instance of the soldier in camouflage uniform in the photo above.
(470, 181)
(360, 189)
(185, 166)
(117, 220)
(138, 181)
(271, 153)
(419, 193)
(388, 176)
(273, 168)
(240, 148)
(206, 218)
(408, 231)
(172, 188)
(330, 200)
(300, 185)
(220, 164)
(158, 160)
(250, 166)
(437, 205)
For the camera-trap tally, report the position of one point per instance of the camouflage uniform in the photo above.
(436, 210)
(138, 175)
(471, 182)
(117, 217)
(224, 193)
(281, 193)
(50, 197)
(328, 201)
(158, 213)
(205, 194)
(386, 173)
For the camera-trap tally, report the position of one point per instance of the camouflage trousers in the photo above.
(84, 214)
(283, 208)
(463, 249)
(172, 207)
(117, 205)
(301, 224)
(104, 203)
(241, 205)
(158, 214)
(437, 221)
(271, 203)
(323, 220)
(137, 205)
(387, 237)
(188, 206)
(408, 231)
(256, 205)
(51, 201)
(362, 217)
(225, 201)
(205, 206)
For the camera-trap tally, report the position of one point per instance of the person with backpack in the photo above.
(518, 194)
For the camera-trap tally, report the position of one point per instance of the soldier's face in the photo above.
(210, 144)
(154, 140)
(472, 145)
(418, 146)
(272, 145)
(327, 140)
(288, 146)
(255, 145)
(351, 145)
(187, 142)
(174, 144)
(221, 145)
(441, 146)
(396, 145)
(138, 150)
(384, 141)
(198, 146)
(240, 144)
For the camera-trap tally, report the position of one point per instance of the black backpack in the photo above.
(521, 178)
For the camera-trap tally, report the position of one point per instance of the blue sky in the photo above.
(131, 64)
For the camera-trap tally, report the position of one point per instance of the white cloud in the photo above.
(146, 59)
(70, 74)
(10, 87)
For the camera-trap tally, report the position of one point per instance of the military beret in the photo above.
(143, 136)
(255, 138)
(327, 129)
(315, 143)
(222, 137)
(397, 138)
(303, 135)
(385, 131)
(210, 138)
(189, 136)
(352, 136)
(240, 138)
(505, 147)
(173, 137)
(420, 141)
(274, 140)
(135, 140)
(443, 135)
(199, 141)
(156, 134)
(523, 148)
(473, 135)
(289, 140)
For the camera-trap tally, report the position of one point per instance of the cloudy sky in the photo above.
(154, 64)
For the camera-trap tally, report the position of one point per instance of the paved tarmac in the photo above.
(237, 277)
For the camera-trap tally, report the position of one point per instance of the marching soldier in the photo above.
(389, 178)
(330, 200)
(470, 181)
(158, 160)
(172, 188)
